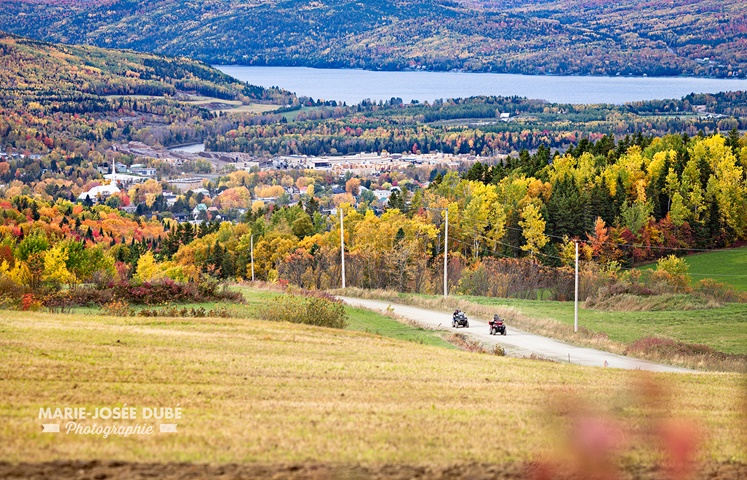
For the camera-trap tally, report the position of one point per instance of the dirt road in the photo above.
(517, 342)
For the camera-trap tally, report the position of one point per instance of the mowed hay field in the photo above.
(273, 393)
(724, 266)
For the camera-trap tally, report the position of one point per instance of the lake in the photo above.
(352, 86)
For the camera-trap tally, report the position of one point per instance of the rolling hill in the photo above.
(37, 71)
(597, 37)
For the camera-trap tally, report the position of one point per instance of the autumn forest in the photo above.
(633, 183)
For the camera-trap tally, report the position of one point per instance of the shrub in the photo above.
(617, 289)
(671, 275)
(713, 290)
(117, 308)
(157, 293)
(184, 312)
(310, 310)
(59, 302)
(30, 303)
(168, 291)
(687, 353)
(11, 293)
(626, 302)
(464, 342)
(518, 278)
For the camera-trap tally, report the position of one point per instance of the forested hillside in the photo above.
(701, 37)
(35, 71)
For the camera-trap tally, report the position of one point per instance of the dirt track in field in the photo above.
(518, 342)
(100, 470)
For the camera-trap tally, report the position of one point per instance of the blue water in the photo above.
(352, 86)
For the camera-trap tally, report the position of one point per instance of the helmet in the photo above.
(495, 317)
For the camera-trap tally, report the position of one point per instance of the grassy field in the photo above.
(291, 116)
(270, 392)
(725, 266)
(231, 106)
(359, 319)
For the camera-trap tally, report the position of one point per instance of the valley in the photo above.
(174, 240)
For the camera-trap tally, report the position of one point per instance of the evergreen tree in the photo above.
(475, 173)
(568, 210)
(732, 140)
(398, 200)
(601, 202)
(621, 196)
(312, 206)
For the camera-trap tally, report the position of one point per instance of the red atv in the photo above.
(497, 326)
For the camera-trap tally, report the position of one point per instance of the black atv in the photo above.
(459, 320)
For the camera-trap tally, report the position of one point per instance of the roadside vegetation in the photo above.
(250, 393)
(265, 301)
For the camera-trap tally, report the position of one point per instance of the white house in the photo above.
(319, 164)
(102, 192)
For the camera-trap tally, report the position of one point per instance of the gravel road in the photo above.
(517, 342)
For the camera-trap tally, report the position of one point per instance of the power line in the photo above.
(715, 275)
(546, 234)
(506, 245)
(588, 242)
(655, 247)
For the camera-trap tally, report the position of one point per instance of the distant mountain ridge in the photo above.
(598, 37)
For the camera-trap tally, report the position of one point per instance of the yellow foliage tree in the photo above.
(147, 269)
(268, 191)
(55, 266)
(533, 229)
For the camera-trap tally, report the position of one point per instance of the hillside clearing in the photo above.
(724, 266)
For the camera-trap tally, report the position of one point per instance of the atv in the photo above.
(459, 320)
(497, 326)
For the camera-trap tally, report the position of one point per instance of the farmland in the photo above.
(250, 393)
(725, 266)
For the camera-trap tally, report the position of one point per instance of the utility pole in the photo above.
(342, 248)
(446, 255)
(251, 243)
(575, 305)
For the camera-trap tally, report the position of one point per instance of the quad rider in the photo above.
(459, 319)
(497, 324)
